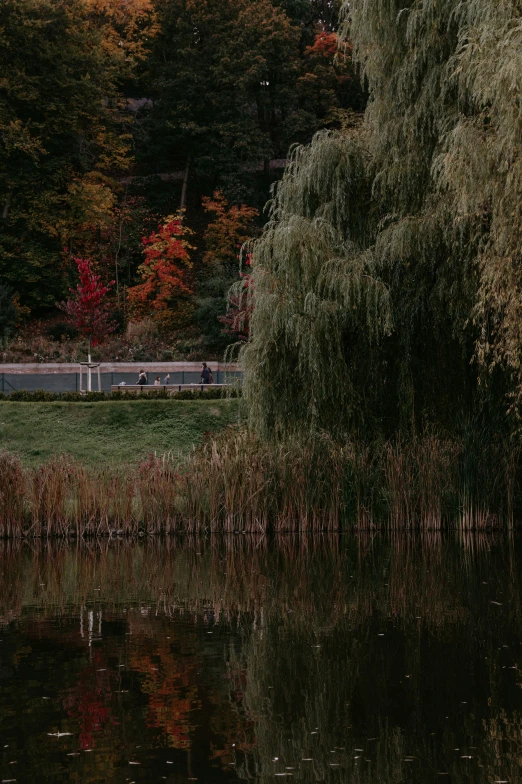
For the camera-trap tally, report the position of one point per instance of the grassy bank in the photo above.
(109, 433)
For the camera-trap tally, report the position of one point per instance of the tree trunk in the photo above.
(185, 185)
(89, 375)
(118, 249)
(7, 202)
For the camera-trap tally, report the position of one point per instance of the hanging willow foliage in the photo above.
(445, 131)
(412, 222)
(316, 287)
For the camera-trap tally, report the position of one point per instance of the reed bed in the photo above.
(235, 483)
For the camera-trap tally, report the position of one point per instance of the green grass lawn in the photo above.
(110, 432)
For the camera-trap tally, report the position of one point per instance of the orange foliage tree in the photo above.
(127, 26)
(329, 86)
(166, 290)
(231, 227)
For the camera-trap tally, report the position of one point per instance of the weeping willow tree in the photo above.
(388, 283)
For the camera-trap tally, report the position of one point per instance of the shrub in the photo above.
(72, 397)
(21, 395)
(93, 397)
(43, 396)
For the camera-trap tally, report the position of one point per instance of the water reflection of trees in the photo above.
(304, 678)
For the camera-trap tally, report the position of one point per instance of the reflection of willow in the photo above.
(306, 679)
(504, 735)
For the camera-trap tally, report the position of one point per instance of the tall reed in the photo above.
(237, 483)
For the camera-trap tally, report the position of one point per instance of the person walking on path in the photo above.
(157, 381)
(166, 380)
(142, 379)
(206, 375)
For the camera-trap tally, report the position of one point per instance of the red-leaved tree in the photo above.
(87, 307)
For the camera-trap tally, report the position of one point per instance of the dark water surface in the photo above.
(343, 659)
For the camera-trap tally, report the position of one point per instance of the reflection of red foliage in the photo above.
(88, 702)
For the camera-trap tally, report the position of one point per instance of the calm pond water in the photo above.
(335, 659)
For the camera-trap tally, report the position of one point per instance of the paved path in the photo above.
(58, 377)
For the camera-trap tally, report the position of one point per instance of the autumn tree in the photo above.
(87, 307)
(231, 226)
(165, 293)
(328, 87)
(127, 28)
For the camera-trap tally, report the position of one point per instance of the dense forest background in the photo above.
(145, 135)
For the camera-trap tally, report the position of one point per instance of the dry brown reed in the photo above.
(236, 483)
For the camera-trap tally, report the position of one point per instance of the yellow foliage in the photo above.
(127, 26)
